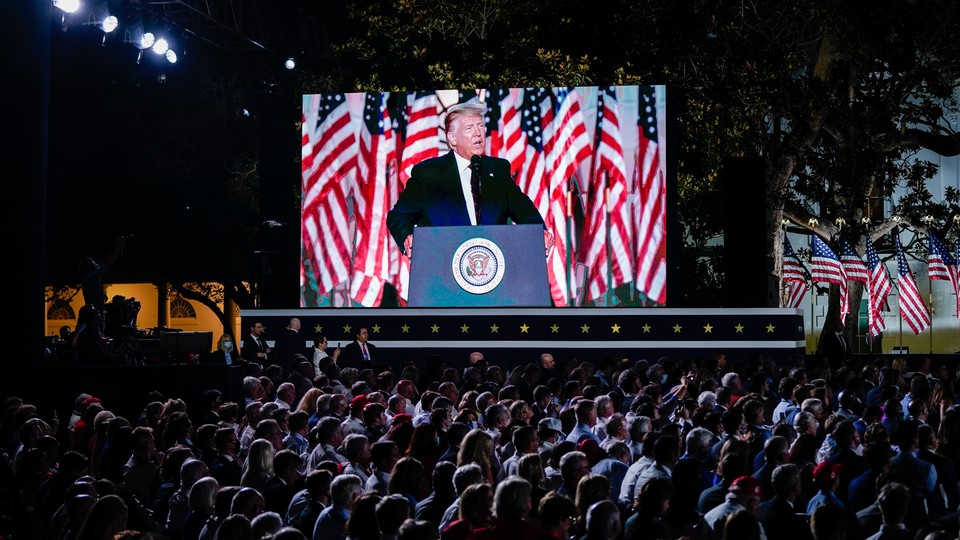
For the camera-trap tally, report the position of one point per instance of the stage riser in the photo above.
(517, 335)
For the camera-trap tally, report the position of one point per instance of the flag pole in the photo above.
(606, 226)
(568, 237)
(899, 311)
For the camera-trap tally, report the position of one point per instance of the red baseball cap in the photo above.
(826, 473)
(746, 485)
(358, 403)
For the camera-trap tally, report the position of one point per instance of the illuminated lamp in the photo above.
(67, 6)
(160, 46)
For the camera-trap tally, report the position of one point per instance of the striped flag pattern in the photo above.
(422, 139)
(879, 289)
(794, 276)
(505, 128)
(371, 263)
(607, 204)
(649, 210)
(328, 157)
(354, 165)
(943, 266)
(566, 145)
(825, 267)
(852, 263)
(912, 308)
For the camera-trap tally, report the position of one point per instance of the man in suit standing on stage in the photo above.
(359, 353)
(255, 347)
(461, 187)
(288, 344)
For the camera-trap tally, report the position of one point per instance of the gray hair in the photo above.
(812, 405)
(603, 519)
(698, 439)
(603, 402)
(785, 478)
(511, 498)
(344, 488)
(640, 426)
(470, 108)
(467, 475)
(707, 399)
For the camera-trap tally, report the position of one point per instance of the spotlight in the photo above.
(171, 56)
(290, 63)
(160, 46)
(67, 6)
(110, 24)
(147, 40)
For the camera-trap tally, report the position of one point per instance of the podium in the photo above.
(487, 265)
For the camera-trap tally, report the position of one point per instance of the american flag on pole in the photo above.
(649, 211)
(504, 128)
(825, 267)
(536, 111)
(328, 156)
(371, 262)
(793, 276)
(607, 197)
(912, 308)
(942, 266)
(566, 145)
(879, 288)
(852, 263)
(422, 139)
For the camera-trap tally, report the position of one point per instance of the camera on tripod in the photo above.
(121, 316)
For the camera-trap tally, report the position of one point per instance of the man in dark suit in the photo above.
(461, 187)
(226, 467)
(289, 343)
(285, 482)
(778, 515)
(255, 347)
(359, 353)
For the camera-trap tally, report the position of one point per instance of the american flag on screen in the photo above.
(535, 110)
(825, 267)
(943, 266)
(878, 290)
(793, 276)
(912, 308)
(852, 263)
(377, 159)
(505, 136)
(329, 155)
(607, 207)
(566, 145)
(649, 212)
(422, 139)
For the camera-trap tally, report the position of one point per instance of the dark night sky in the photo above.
(103, 109)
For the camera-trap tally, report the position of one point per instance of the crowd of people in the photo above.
(622, 449)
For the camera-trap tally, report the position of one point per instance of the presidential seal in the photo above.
(478, 266)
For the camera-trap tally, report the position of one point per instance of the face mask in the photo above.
(228, 345)
(663, 379)
(472, 425)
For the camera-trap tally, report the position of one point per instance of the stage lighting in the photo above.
(171, 56)
(109, 24)
(290, 63)
(147, 40)
(67, 6)
(160, 46)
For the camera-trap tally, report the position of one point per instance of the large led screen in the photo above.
(590, 159)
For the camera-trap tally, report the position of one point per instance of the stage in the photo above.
(514, 335)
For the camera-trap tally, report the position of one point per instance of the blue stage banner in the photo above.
(515, 335)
